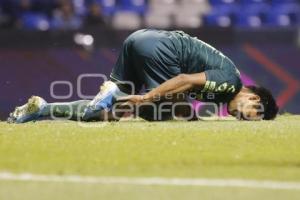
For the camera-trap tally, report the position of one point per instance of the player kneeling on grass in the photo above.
(165, 63)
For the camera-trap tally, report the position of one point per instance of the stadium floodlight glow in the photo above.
(83, 39)
(87, 40)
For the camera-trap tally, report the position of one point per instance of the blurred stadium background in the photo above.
(42, 41)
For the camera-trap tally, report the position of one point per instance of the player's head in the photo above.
(253, 103)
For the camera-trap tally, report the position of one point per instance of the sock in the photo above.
(71, 110)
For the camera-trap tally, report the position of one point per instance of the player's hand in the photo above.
(131, 100)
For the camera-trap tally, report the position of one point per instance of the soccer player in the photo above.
(165, 63)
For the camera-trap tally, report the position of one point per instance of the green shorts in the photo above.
(146, 59)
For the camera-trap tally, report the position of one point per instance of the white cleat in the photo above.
(107, 92)
(29, 111)
(104, 100)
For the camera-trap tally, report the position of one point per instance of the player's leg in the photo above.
(37, 108)
(124, 81)
(69, 110)
(75, 111)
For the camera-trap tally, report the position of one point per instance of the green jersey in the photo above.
(150, 57)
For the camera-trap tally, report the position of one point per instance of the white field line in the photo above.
(256, 184)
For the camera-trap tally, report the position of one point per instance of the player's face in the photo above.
(246, 106)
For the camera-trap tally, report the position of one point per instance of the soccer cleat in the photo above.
(28, 112)
(104, 100)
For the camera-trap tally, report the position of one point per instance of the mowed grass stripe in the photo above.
(7, 176)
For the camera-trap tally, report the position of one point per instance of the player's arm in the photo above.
(178, 84)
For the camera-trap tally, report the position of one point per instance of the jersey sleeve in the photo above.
(220, 86)
(218, 80)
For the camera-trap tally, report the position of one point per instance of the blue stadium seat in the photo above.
(80, 8)
(138, 6)
(222, 16)
(220, 2)
(284, 15)
(109, 7)
(250, 2)
(35, 21)
(284, 1)
(253, 15)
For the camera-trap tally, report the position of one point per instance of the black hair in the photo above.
(267, 100)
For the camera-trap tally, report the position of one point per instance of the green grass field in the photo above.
(221, 149)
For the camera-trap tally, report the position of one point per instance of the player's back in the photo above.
(178, 48)
(198, 56)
